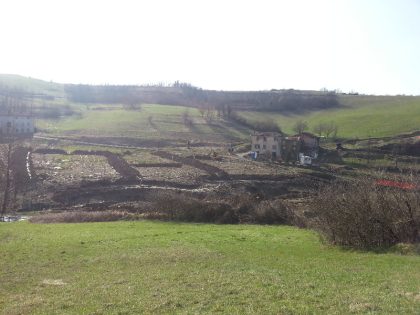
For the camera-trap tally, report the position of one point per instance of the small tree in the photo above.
(202, 111)
(330, 129)
(229, 111)
(210, 114)
(186, 119)
(319, 129)
(396, 151)
(327, 129)
(6, 179)
(300, 126)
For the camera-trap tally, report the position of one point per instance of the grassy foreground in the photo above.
(145, 267)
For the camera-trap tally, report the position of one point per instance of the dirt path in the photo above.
(91, 143)
(117, 162)
(211, 170)
(21, 167)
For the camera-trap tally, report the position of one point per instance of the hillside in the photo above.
(357, 116)
(150, 122)
(31, 85)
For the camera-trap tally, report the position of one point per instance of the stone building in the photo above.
(16, 125)
(268, 143)
(309, 144)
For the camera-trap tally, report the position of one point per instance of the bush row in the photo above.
(363, 214)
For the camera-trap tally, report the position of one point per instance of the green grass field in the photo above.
(152, 267)
(360, 116)
(166, 123)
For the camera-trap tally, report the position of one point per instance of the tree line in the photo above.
(179, 93)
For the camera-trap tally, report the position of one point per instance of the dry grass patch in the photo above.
(363, 214)
(82, 216)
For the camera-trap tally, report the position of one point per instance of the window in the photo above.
(264, 146)
(274, 147)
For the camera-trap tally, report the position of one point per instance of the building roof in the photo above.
(266, 134)
(308, 134)
(293, 138)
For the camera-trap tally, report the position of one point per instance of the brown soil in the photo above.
(19, 170)
(211, 170)
(116, 161)
(104, 180)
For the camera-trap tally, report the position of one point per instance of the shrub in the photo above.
(183, 208)
(268, 125)
(364, 215)
(273, 212)
(81, 216)
(234, 209)
(173, 206)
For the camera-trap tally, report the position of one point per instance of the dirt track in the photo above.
(116, 161)
(211, 170)
(19, 168)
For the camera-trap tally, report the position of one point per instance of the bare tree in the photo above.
(6, 176)
(330, 129)
(210, 114)
(327, 129)
(300, 126)
(202, 111)
(186, 119)
(396, 151)
(229, 111)
(319, 129)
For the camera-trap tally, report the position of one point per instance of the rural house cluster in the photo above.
(276, 146)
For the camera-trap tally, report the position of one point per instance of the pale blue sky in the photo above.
(370, 46)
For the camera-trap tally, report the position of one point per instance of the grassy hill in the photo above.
(359, 117)
(151, 267)
(32, 85)
(152, 121)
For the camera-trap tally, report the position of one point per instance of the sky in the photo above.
(365, 46)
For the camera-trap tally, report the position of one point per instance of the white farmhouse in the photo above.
(16, 125)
